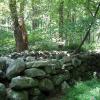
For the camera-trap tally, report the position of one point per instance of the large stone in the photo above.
(30, 58)
(67, 66)
(19, 83)
(2, 91)
(9, 61)
(34, 72)
(64, 87)
(37, 63)
(46, 85)
(40, 63)
(34, 92)
(76, 62)
(15, 68)
(17, 95)
(58, 79)
(50, 68)
(66, 59)
(29, 64)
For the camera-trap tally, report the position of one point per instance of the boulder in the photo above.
(30, 58)
(76, 62)
(58, 79)
(17, 95)
(34, 72)
(34, 92)
(66, 59)
(15, 68)
(46, 85)
(29, 64)
(37, 63)
(9, 61)
(19, 83)
(49, 69)
(64, 87)
(40, 63)
(67, 66)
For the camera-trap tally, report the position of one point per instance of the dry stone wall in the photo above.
(35, 75)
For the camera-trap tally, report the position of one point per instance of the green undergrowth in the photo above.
(89, 90)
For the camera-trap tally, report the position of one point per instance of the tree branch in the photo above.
(88, 30)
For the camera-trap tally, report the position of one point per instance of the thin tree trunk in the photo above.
(61, 19)
(88, 31)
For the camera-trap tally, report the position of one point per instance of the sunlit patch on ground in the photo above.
(89, 90)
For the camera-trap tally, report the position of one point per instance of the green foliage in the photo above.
(7, 42)
(77, 15)
(46, 45)
(89, 90)
(73, 47)
(41, 41)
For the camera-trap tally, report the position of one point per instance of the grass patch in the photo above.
(89, 90)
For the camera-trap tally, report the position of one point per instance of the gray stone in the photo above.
(15, 68)
(46, 85)
(35, 92)
(29, 64)
(64, 87)
(17, 95)
(34, 72)
(67, 66)
(9, 61)
(29, 58)
(37, 63)
(19, 83)
(76, 62)
(48, 69)
(40, 63)
(2, 91)
(66, 59)
(58, 79)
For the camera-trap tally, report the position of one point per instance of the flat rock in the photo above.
(19, 83)
(34, 72)
(15, 68)
(46, 85)
(17, 95)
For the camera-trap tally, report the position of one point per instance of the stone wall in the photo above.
(35, 75)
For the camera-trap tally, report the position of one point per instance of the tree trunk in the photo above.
(35, 23)
(17, 31)
(61, 19)
(22, 25)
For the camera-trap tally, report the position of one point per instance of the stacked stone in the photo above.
(26, 78)
(33, 76)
